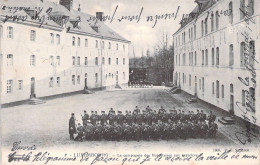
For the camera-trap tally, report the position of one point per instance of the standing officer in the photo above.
(120, 118)
(92, 118)
(111, 117)
(72, 126)
(85, 118)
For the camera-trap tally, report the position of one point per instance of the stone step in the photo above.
(226, 121)
(35, 101)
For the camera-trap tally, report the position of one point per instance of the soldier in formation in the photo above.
(148, 125)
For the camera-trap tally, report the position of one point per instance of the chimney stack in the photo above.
(99, 16)
(67, 3)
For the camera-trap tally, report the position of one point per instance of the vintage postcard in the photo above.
(129, 82)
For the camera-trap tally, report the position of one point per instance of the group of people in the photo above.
(148, 125)
(140, 84)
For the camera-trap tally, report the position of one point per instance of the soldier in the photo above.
(165, 117)
(155, 117)
(213, 127)
(98, 131)
(110, 111)
(198, 115)
(203, 116)
(81, 133)
(137, 131)
(211, 118)
(85, 118)
(107, 131)
(189, 130)
(103, 118)
(97, 116)
(145, 131)
(204, 129)
(178, 129)
(194, 118)
(136, 110)
(72, 126)
(139, 118)
(161, 110)
(173, 132)
(112, 118)
(183, 117)
(178, 117)
(117, 131)
(90, 131)
(128, 118)
(92, 118)
(160, 126)
(120, 118)
(184, 128)
(149, 118)
(167, 130)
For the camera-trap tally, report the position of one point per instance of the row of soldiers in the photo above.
(149, 125)
(140, 84)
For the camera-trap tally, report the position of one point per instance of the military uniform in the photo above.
(90, 131)
(107, 131)
(81, 133)
(72, 127)
(213, 127)
(98, 131)
(120, 118)
(85, 118)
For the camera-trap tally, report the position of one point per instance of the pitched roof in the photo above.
(48, 11)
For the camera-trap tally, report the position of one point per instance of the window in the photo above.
(96, 77)
(73, 41)
(212, 22)
(242, 52)
(183, 59)
(195, 63)
(116, 61)
(217, 56)
(96, 60)
(103, 60)
(123, 47)
(213, 56)
(202, 62)
(203, 87)
(109, 45)
(78, 79)
(78, 61)
(243, 98)
(222, 89)
(51, 60)
(96, 44)
(191, 58)
(217, 89)
(191, 34)
(103, 44)
(242, 9)
(202, 28)
(231, 55)
(9, 86)
(33, 35)
(20, 84)
(217, 20)
(116, 46)
(207, 60)
(200, 84)
(189, 80)
(206, 26)
(10, 60)
(52, 38)
(73, 79)
(183, 78)
(32, 60)
(230, 6)
(51, 82)
(78, 41)
(86, 42)
(109, 61)
(251, 7)
(231, 88)
(58, 60)
(10, 33)
(124, 61)
(195, 32)
(213, 90)
(1, 31)
(73, 60)
(251, 53)
(58, 39)
(58, 81)
(86, 60)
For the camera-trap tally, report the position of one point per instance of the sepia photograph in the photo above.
(129, 82)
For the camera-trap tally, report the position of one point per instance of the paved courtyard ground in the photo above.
(46, 125)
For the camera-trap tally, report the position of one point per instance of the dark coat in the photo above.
(72, 126)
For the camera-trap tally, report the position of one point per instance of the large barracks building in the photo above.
(217, 58)
(50, 49)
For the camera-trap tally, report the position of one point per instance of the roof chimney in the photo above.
(79, 8)
(67, 3)
(99, 15)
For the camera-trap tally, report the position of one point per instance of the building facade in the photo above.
(217, 59)
(51, 49)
